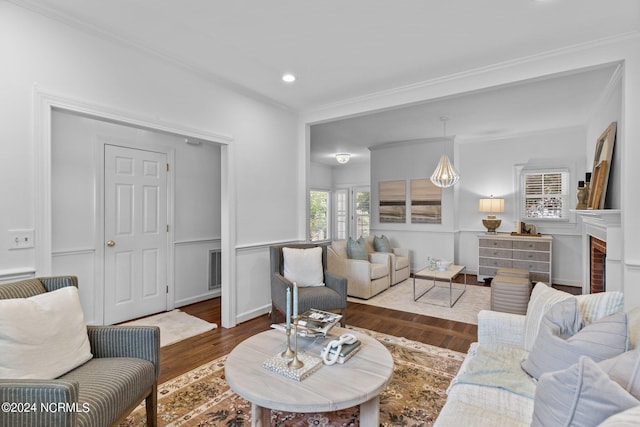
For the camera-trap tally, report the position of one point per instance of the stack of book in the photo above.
(314, 323)
(317, 322)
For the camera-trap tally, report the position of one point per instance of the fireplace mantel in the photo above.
(605, 225)
(603, 217)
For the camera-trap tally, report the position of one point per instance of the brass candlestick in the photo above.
(295, 363)
(288, 353)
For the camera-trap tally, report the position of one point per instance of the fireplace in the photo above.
(598, 258)
(601, 250)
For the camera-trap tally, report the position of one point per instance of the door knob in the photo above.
(111, 243)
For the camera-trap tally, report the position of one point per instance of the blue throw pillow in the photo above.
(356, 249)
(381, 244)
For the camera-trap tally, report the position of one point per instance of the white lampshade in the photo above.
(343, 158)
(491, 205)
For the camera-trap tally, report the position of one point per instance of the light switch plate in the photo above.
(21, 239)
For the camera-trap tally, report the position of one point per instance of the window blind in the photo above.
(544, 194)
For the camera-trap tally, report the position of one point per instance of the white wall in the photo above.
(486, 168)
(351, 175)
(61, 60)
(406, 161)
(320, 176)
(489, 169)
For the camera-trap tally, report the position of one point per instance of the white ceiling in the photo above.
(342, 49)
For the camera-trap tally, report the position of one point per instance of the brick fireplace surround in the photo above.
(598, 256)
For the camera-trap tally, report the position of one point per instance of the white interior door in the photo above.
(135, 233)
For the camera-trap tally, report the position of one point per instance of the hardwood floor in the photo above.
(185, 355)
(188, 354)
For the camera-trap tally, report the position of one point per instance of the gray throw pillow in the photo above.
(625, 370)
(356, 249)
(560, 342)
(582, 395)
(382, 244)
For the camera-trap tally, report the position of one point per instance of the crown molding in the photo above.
(576, 48)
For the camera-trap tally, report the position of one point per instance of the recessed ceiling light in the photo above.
(289, 78)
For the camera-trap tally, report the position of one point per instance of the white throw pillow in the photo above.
(303, 266)
(44, 336)
(542, 298)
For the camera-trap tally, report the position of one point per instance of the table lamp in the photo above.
(491, 206)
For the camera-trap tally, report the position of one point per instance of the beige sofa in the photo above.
(364, 278)
(399, 261)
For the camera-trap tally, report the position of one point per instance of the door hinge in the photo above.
(167, 167)
(167, 228)
(167, 290)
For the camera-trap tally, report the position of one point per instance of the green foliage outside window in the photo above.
(318, 215)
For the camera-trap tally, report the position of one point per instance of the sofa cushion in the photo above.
(382, 244)
(634, 327)
(378, 270)
(599, 305)
(42, 336)
(628, 418)
(559, 346)
(356, 249)
(304, 266)
(340, 248)
(401, 262)
(108, 386)
(22, 289)
(625, 370)
(581, 395)
(542, 298)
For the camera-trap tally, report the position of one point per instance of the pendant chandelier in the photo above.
(445, 175)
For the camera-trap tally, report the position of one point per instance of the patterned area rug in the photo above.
(414, 397)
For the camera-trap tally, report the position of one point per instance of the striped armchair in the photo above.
(102, 392)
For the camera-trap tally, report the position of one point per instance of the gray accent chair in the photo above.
(331, 297)
(123, 372)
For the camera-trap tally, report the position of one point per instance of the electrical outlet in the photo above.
(21, 239)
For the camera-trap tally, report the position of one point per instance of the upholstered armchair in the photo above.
(366, 278)
(122, 373)
(330, 297)
(399, 259)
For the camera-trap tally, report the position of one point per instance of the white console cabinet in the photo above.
(506, 251)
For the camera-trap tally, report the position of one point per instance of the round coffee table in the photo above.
(359, 381)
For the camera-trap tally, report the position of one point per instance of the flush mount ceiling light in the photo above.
(288, 78)
(445, 175)
(343, 158)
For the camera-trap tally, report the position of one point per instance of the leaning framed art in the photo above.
(601, 167)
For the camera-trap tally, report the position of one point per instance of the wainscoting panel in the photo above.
(192, 271)
(81, 263)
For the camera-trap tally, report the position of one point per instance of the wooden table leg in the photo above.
(370, 412)
(260, 417)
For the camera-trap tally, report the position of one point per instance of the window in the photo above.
(341, 214)
(361, 213)
(319, 215)
(544, 194)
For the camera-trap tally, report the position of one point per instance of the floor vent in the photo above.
(215, 269)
